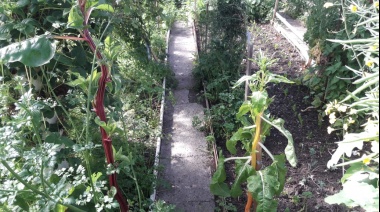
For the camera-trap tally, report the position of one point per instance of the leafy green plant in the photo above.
(363, 172)
(296, 8)
(49, 79)
(223, 205)
(331, 77)
(257, 124)
(219, 61)
(259, 10)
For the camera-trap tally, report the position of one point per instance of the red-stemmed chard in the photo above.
(99, 104)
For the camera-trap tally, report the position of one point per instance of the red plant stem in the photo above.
(100, 111)
(69, 38)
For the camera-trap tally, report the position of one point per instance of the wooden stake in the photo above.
(275, 11)
(249, 69)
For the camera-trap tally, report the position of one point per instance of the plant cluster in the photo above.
(359, 148)
(259, 10)
(262, 185)
(66, 72)
(220, 58)
(330, 78)
(296, 8)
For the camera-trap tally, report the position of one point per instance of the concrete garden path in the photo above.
(185, 158)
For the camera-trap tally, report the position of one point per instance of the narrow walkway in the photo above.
(184, 155)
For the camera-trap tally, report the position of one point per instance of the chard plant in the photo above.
(359, 108)
(262, 185)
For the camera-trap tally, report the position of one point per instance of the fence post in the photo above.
(275, 11)
(249, 63)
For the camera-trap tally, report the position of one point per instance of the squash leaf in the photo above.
(32, 52)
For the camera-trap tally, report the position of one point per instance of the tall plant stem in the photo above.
(255, 147)
(99, 106)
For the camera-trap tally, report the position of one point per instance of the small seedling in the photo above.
(276, 46)
(300, 119)
(309, 135)
(294, 108)
(286, 92)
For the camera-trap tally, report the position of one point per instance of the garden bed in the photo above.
(308, 184)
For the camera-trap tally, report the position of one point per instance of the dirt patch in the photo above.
(308, 184)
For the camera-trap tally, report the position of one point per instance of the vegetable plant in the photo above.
(262, 185)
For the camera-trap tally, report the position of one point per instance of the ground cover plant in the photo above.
(71, 83)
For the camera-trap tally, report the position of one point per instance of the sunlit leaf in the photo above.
(275, 78)
(259, 102)
(244, 109)
(76, 19)
(290, 151)
(105, 7)
(368, 198)
(33, 52)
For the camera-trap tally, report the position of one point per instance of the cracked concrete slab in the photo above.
(184, 157)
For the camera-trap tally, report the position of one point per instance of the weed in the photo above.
(224, 206)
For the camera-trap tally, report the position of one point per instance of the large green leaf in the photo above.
(267, 184)
(290, 151)
(218, 187)
(274, 78)
(240, 135)
(244, 109)
(243, 171)
(259, 102)
(368, 197)
(33, 52)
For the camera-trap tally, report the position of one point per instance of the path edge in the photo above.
(159, 139)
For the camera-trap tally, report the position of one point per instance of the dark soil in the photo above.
(311, 182)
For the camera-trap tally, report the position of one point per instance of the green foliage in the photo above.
(50, 146)
(296, 8)
(267, 184)
(220, 56)
(359, 106)
(33, 52)
(331, 78)
(218, 186)
(259, 10)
